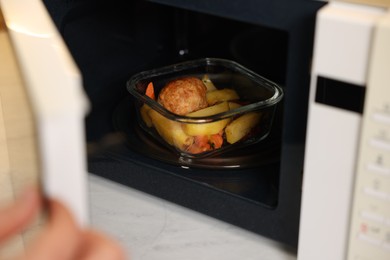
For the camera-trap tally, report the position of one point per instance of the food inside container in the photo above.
(204, 107)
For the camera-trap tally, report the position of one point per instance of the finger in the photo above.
(60, 239)
(99, 247)
(15, 217)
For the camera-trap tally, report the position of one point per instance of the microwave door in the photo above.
(342, 49)
(45, 81)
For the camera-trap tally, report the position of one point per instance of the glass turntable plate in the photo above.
(125, 122)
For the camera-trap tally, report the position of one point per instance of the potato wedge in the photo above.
(211, 110)
(170, 131)
(144, 110)
(241, 126)
(233, 105)
(220, 95)
(208, 83)
(207, 128)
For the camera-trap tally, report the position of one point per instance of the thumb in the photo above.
(15, 217)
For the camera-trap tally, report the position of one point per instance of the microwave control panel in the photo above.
(370, 217)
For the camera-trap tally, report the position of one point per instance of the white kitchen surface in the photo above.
(150, 228)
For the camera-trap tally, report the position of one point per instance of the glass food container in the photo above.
(237, 109)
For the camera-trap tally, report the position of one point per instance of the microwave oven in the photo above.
(260, 188)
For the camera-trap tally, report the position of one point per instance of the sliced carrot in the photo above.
(216, 141)
(150, 91)
(200, 145)
(202, 141)
(194, 149)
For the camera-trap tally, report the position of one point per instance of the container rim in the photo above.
(273, 100)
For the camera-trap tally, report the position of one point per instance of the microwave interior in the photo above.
(257, 188)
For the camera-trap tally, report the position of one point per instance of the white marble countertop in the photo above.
(150, 228)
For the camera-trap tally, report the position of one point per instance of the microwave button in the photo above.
(381, 117)
(370, 240)
(374, 167)
(380, 144)
(376, 193)
(373, 216)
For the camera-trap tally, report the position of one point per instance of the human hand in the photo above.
(61, 238)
